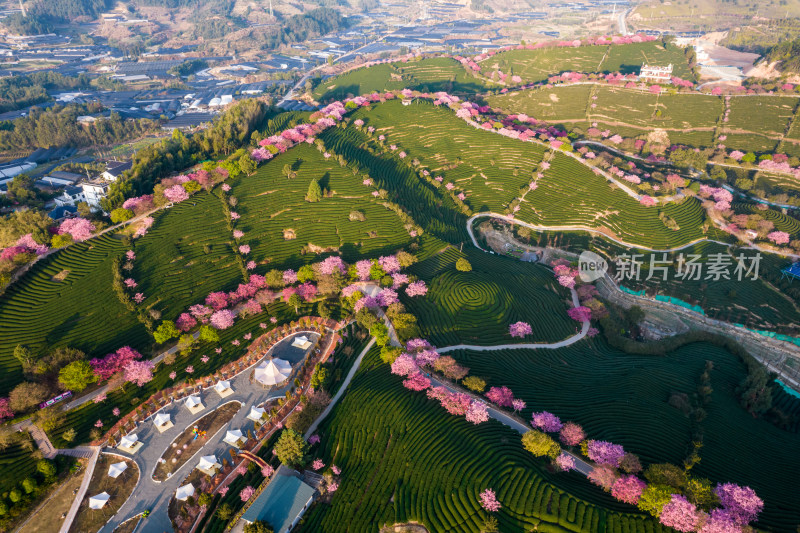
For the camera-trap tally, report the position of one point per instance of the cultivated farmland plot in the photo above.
(432, 74)
(598, 387)
(477, 307)
(406, 459)
(538, 65)
(80, 312)
(271, 203)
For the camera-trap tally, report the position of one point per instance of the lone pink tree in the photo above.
(5, 410)
(247, 493)
(779, 237)
(520, 329)
(488, 501)
(679, 514)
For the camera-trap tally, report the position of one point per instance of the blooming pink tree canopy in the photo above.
(571, 434)
(247, 493)
(477, 412)
(418, 288)
(520, 329)
(417, 381)
(501, 396)
(679, 514)
(546, 421)
(628, 489)
(139, 372)
(79, 229)
(222, 319)
(604, 452)
(779, 237)
(488, 501)
(581, 314)
(741, 503)
(565, 462)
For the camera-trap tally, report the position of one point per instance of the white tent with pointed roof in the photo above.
(273, 371)
(223, 388)
(302, 342)
(183, 493)
(234, 437)
(99, 501)
(129, 443)
(117, 468)
(208, 465)
(256, 413)
(192, 402)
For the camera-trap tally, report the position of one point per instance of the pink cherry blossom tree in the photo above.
(488, 501)
(222, 319)
(546, 421)
(477, 412)
(247, 493)
(565, 462)
(501, 396)
(139, 372)
(679, 514)
(520, 329)
(571, 434)
(604, 452)
(418, 288)
(628, 489)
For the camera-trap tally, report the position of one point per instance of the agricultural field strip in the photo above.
(730, 129)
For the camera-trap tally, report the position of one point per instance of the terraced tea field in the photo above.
(767, 115)
(538, 65)
(687, 118)
(186, 255)
(489, 168)
(270, 204)
(403, 458)
(432, 74)
(477, 307)
(80, 312)
(623, 398)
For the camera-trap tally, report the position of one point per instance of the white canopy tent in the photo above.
(128, 441)
(99, 501)
(301, 342)
(183, 493)
(208, 464)
(273, 372)
(223, 388)
(256, 413)
(161, 419)
(117, 468)
(192, 402)
(234, 437)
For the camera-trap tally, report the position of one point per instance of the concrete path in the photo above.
(87, 478)
(155, 496)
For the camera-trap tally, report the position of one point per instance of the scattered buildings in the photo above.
(656, 73)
